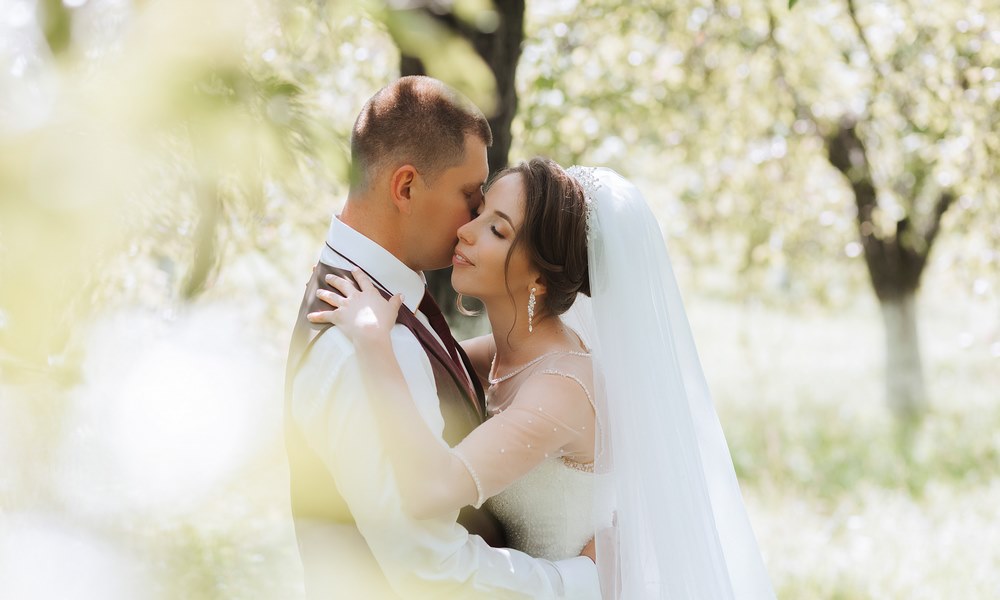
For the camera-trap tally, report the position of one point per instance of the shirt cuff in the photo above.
(579, 579)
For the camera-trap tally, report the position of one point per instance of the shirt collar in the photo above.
(376, 260)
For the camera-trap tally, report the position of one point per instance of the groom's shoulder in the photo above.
(328, 351)
(332, 349)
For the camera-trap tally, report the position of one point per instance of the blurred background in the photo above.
(824, 172)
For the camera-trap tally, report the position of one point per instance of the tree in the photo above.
(895, 260)
(746, 120)
(914, 110)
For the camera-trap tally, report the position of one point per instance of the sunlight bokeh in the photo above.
(169, 412)
(48, 557)
(168, 170)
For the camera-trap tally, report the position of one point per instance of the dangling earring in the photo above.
(531, 309)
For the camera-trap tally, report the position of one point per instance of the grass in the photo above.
(840, 510)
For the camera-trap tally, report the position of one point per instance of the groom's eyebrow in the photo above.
(473, 188)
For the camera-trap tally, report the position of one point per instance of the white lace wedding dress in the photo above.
(548, 512)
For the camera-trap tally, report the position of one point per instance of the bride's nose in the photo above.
(465, 233)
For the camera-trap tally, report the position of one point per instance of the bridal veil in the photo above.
(682, 530)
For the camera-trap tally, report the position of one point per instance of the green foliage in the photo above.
(722, 109)
(444, 54)
(56, 25)
(191, 144)
(818, 451)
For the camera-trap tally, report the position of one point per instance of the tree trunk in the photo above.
(905, 388)
(895, 262)
(501, 49)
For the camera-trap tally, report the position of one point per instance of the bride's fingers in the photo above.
(395, 302)
(364, 282)
(343, 285)
(324, 316)
(330, 298)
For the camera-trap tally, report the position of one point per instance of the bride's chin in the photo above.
(465, 290)
(458, 287)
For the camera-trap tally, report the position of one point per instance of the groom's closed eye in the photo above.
(478, 208)
(474, 198)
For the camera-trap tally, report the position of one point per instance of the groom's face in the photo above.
(448, 203)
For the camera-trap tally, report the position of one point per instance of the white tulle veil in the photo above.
(666, 474)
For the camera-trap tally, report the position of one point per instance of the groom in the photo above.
(419, 161)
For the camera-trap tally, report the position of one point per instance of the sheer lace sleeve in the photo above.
(551, 415)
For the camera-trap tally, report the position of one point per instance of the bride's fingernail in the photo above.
(329, 277)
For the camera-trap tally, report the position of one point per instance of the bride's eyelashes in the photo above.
(496, 232)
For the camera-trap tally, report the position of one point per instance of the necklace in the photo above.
(494, 380)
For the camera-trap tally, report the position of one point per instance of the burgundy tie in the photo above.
(430, 309)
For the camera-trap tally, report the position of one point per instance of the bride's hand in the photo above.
(362, 314)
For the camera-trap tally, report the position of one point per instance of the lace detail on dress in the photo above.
(587, 467)
(576, 379)
(548, 513)
(475, 477)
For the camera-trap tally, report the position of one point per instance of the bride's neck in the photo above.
(516, 345)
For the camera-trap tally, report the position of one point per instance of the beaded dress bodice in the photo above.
(548, 512)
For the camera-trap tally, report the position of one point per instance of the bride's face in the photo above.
(485, 242)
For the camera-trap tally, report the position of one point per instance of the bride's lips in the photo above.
(460, 260)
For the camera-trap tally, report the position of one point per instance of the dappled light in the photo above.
(166, 413)
(824, 175)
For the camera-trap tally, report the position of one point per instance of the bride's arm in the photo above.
(432, 478)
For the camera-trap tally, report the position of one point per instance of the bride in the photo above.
(601, 425)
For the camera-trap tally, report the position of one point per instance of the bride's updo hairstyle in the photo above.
(554, 231)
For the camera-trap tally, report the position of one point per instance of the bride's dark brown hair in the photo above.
(553, 233)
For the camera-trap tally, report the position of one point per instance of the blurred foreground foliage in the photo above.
(146, 145)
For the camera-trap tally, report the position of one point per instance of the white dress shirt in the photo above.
(431, 558)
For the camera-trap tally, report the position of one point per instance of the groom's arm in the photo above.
(425, 558)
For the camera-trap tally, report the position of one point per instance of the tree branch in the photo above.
(802, 110)
(944, 202)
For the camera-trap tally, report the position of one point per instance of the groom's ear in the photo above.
(401, 187)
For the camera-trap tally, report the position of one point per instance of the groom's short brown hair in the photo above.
(414, 120)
